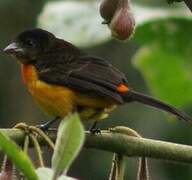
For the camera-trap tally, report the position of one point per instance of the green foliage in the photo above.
(20, 159)
(171, 33)
(69, 141)
(165, 59)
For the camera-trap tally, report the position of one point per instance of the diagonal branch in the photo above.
(124, 144)
(189, 4)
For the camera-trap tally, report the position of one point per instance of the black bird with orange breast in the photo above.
(62, 78)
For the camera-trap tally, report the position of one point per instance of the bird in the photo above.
(62, 79)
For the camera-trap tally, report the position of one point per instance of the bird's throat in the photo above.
(28, 73)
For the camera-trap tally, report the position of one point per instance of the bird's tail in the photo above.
(132, 96)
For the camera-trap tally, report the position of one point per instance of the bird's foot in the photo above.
(95, 131)
(45, 127)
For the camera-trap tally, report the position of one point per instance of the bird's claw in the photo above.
(95, 131)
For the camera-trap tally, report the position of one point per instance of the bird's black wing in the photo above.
(89, 75)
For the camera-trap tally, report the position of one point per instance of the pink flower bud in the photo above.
(123, 23)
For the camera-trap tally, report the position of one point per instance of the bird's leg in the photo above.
(93, 129)
(45, 126)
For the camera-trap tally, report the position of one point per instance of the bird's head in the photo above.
(28, 45)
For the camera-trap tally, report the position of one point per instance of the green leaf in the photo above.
(168, 32)
(69, 141)
(19, 158)
(47, 173)
(165, 59)
(166, 74)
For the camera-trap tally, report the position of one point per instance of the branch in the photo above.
(123, 144)
(189, 4)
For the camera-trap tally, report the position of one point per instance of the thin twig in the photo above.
(143, 172)
(26, 144)
(43, 135)
(117, 168)
(37, 149)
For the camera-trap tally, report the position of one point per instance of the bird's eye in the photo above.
(30, 43)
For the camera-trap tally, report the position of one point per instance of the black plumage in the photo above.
(58, 62)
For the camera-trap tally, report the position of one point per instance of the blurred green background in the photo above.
(157, 61)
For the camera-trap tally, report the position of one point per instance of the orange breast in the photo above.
(59, 100)
(54, 100)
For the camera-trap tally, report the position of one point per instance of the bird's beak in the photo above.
(13, 48)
